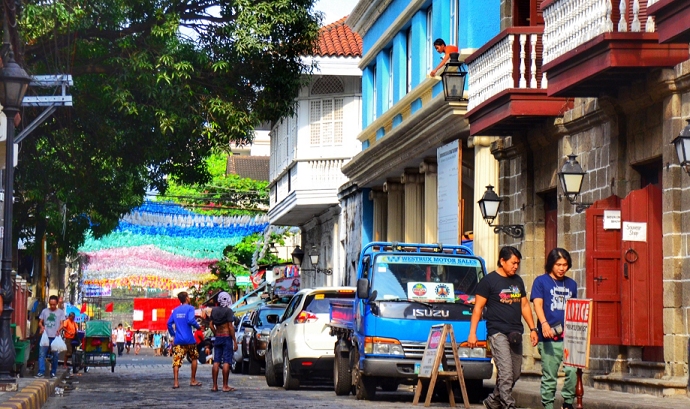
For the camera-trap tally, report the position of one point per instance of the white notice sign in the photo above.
(612, 219)
(448, 211)
(138, 315)
(578, 321)
(634, 231)
(430, 351)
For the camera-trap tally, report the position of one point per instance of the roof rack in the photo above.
(380, 247)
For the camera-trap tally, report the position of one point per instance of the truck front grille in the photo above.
(415, 350)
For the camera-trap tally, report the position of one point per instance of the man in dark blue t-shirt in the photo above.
(185, 344)
(550, 294)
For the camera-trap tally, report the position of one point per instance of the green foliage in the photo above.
(149, 103)
(227, 195)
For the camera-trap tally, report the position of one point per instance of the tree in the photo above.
(149, 102)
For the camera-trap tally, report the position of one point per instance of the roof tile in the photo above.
(338, 40)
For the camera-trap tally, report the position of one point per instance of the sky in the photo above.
(334, 10)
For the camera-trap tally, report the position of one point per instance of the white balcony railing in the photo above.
(570, 23)
(321, 174)
(513, 61)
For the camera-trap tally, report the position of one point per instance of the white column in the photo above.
(485, 173)
(396, 210)
(414, 205)
(430, 171)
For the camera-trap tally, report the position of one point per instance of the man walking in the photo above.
(50, 321)
(138, 337)
(128, 339)
(550, 293)
(185, 344)
(70, 335)
(503, 293)
(120, 339)
(222, 318)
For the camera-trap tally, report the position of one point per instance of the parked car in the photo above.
(256, 336)
(300, 346)
(237, 361)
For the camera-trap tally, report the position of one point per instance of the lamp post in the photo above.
(571, 177)
(682, 144)
(297, 256)
(231, 281)
(453, 78)
(488, 205)
(13, 85)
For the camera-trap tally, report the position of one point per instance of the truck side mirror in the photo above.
(272, 318)
(363, 288)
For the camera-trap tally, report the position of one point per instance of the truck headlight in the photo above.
(464, 352)
(382, 346)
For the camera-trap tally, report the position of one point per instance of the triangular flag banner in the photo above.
(83, 308)
(109, 307)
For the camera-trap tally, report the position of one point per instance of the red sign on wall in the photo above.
(151, 314)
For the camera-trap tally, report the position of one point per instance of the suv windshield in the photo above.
(265, 312)
(427, 278)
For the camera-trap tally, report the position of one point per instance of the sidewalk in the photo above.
(33, 393)
(527, 395)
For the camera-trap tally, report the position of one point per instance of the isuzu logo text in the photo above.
(428, 313)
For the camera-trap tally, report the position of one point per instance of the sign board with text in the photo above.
(578, 327)
(634, 231)
(448, 160)
(430, 351)
(612, 219)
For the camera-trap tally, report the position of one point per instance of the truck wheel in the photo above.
(366, 388)
(289, 381)
(270, 370)
(342, 377)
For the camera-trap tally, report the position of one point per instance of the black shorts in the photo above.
(129, 343)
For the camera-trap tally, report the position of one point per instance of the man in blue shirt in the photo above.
(550, 294)
(185, 344)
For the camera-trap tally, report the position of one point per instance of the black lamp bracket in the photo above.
(513, 230)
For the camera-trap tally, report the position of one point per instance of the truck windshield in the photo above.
(432, 279)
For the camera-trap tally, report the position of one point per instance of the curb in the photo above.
(35, 395)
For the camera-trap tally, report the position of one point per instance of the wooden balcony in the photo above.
(672, 18)
(507, 88)
(593, 47)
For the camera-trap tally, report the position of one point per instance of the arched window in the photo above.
(327, 85)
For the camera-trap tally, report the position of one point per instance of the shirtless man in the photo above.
(222, 318)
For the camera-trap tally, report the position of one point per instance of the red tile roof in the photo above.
(338, 40)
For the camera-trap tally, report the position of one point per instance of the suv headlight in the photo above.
(382, 346)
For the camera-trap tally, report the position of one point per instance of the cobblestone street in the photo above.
(146, 381)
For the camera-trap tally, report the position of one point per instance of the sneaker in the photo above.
(39, 375)
(52, 375)
(486, 405)
(567, 406)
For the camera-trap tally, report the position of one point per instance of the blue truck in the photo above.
(402, 290)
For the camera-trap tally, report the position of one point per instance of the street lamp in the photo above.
(682, 143)
(571, 177)
(297, 256)
(13, 85)
(488, 205)
(232, 280)
(314, 256)
(453, 78)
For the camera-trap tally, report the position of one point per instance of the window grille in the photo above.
(327, 85)
(326, 123)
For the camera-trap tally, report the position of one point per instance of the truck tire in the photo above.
(365, 388)
(270, 370)
(342, 377)
(289, 381)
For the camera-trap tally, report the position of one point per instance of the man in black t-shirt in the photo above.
(503, 293)
(222, 318)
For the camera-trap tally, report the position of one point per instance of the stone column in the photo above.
(396, 210)
(414, 205)
(430, 171)
(485, 173)
(380, 200)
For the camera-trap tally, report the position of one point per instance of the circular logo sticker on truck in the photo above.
(442, 291)
(419, 289)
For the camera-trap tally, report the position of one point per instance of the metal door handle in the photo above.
(631, 256)
(625, 270)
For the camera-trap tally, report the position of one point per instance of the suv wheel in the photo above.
(270, 370)
(254, 367)
(289, 381)
(342, 377)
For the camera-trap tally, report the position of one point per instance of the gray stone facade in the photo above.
(616, 140)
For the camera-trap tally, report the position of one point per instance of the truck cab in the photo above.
(402, 290)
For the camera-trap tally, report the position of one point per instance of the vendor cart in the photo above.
(97, 347)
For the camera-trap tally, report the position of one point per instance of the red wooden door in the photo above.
(603, 273)
(642, 271)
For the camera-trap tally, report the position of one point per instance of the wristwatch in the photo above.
(534, 329)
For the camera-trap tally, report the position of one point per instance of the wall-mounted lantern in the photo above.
(571, 177)
(488, 205)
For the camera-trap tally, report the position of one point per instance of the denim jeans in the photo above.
(42, 352)
(508, 361)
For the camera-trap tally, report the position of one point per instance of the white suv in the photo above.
(300, 345)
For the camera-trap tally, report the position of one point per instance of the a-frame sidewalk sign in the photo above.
(435, 358)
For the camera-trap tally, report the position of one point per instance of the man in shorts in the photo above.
(185, 343)
(128, 339)
(222, 318)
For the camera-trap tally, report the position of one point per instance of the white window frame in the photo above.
(454, 22)
(409, 60)
(391, 81)
(333, 121)
(429, 40)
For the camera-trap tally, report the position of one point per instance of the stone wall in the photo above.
(321, 234)
(351, 216)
